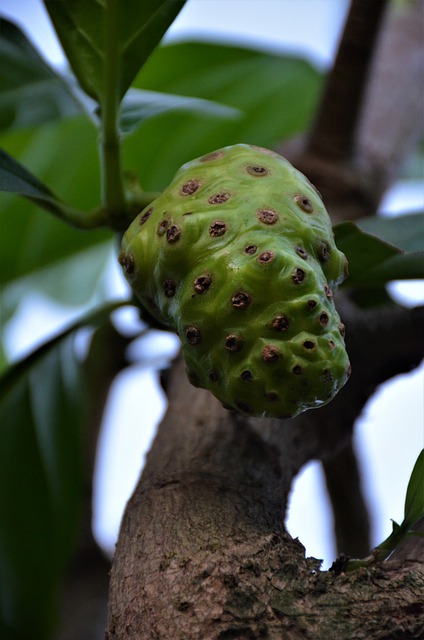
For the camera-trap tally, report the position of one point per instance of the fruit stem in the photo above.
(113, 196)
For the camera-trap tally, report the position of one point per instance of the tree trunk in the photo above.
(203, 552)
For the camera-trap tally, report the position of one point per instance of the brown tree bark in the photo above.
(203, 552)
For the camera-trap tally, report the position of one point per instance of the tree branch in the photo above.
(384, 132)
(351, 518)
(333, 133)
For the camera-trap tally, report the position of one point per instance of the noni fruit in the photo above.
(238, 256)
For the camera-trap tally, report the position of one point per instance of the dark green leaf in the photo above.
(140, 105)
(31, 93)
(405, 232)
(244, 79)
(14, 178)
(403, 266)
(414, 502)
(63, 154)
(40, 480)
(414, 510)
(373, 261)
(97, 35)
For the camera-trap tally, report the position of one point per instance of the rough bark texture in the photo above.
(203, 553)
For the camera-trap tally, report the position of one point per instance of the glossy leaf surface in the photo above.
(63, 155)
(372, 261)
(110, 38)
(31, 93)
(244, 79)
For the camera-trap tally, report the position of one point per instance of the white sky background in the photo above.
(387, 451)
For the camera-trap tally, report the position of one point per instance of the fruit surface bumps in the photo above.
(238, 256)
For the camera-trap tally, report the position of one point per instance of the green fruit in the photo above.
(238, 256)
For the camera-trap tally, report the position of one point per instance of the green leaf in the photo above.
(276, 95)
(31, 93)
(63, 154)
(14, 178)
(40, 480)
(414, 501)
(414, 511)
(139, 106)
(373, 261)
(110, 37)
(405, 231)
(75, 281)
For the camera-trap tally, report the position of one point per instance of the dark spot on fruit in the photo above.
(270, 353)
(280, 323)
(327, 376)
(212, 156)
(173, 234)
(323, 251)
(301, 252)
(303, 203)
(342, 330)
(240, 300)
(192, 335)
(308, 344)
(328, 292)
(202, 283)
(244, 407)
(257, 170)
(246, 376)
(331, 344)
(145, 216)
(162, 227)
(297, 369)
(298, 276)
(265, 257)
(219, 198)
(251, 249)
(126, 260)
(217, 228)
(190, 187)
(312, 304)
(271, 396)
(267, 216)
(188, 213)
(233, 342)
(169, 288)
(213, 376)
(324, 319)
